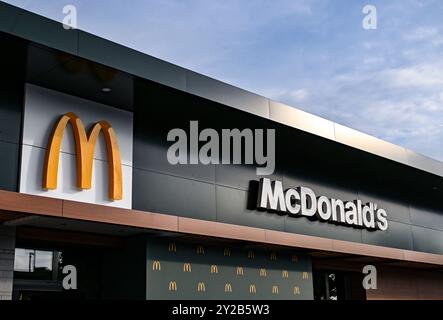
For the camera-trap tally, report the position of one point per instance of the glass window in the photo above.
(24, 260)
(38, 264)
(43, 260)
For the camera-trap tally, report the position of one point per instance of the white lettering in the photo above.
(303, 201)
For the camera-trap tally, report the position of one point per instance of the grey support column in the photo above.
(7, 249)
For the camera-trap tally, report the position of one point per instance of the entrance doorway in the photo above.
(338, 285)
(38, 272)
(108, 266)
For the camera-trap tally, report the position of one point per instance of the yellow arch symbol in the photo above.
(85, 148)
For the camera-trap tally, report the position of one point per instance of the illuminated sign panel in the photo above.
(76, 149)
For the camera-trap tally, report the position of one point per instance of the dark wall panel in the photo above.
(11, 100)
(157, 111)
(166, 266)
(9, 161)
(429, 218)
(398, 235)
(232, 207)
(240, 176)
(123, 274)
(158, 192)
(225, 93)
(131, 61)
(427, 240)
(398, 211)
(305, 226)
(151, 156)
(12, 65)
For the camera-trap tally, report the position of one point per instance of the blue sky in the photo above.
(310, 54)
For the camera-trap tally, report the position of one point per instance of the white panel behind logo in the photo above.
(43, 108)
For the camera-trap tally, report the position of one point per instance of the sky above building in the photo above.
(314, 55)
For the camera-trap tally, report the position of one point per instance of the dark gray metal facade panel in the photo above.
(418, 160)
(131, 61)
(79, 77)
(398, 235)
(8, 16)
(224, 93)
(168, 194)
(12, 65)
(303, 225)
(129, 263)
(429, 218)
(232, 207)
(157, 111)
(45, 31)
(397, 211)
(302, 120)
(240, 176)
(149, 155)
(9, 161)
(427, 240)
(11, 100)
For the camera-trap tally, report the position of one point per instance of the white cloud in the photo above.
(422, 33)
(428, 34)
(421, 76)
(437, 41)
(403, 105)
(299, 95)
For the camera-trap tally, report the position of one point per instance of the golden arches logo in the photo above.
(172, 286)
(273, 256)
(275, 289)
(263, 272)
(252, 288)
(294, 258)
(285, 274)
(228, 287)
(214, 269)
(201, 287)
(296, 290)
(156, 265)
(227, 252)
(251, 254)
(85, 148)
(187, 267)
(240, 271)
(172, 247)
(200, 250)
(305, 275)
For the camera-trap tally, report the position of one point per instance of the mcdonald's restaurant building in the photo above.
(85, 182)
